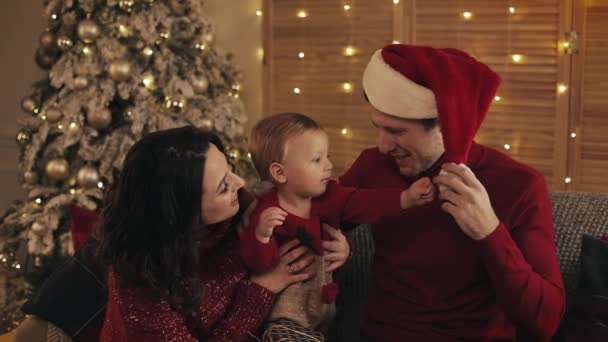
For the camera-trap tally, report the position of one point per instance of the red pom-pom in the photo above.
(330, 293)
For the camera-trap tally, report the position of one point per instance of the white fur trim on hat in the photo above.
(392, 93)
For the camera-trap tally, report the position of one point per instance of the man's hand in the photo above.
(269, 219)
(466, 200)
(337, 250)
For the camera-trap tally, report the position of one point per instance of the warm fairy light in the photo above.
(249, 155)
(347, 87)
(301, 55)
(148, 81)
(36, 111)
(73, 191)
(396, 42)
(347, 7)
(148, 51)
(396, 2)
(561, 88)
(346, 132)
(73, 126)
(258, 13)
(54, 16)
(507, 147)
(297, 90)
(124, 30)
(497, 98)
(17, 266)
(568, 180)
(302, 14)
(60, 127)
(87, 50)
(511, 9)
(100, 185)
(572, 135)
(467, 15)
(349, 51)
(260, 53)
(38, 200)
(566, 45)
(516, 58)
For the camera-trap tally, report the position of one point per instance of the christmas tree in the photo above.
(117, 69)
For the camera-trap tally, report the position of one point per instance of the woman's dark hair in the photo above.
(151, 219)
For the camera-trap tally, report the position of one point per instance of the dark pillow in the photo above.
(74, 295)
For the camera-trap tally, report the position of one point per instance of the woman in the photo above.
(169, 240)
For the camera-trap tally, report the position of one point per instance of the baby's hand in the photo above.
(269, 219)
(419, 193)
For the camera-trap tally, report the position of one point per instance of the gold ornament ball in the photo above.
(120, 70)
(53, 114)
(23, 138)
(199, 82)
(30, 177)
(81, 82)
(58, 169)
(100, 118)
(88, 177)
(28, 104)
(234, 154)
(207, 124)
(47, 40)
(44, 60)
(64, 43)
(88, 31)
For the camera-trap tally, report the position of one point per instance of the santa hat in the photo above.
(419, 82)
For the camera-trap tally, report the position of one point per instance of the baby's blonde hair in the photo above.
(269, 136)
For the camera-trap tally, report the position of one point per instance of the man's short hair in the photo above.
(269, 136)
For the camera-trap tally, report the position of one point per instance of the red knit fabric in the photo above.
(232, 307)
(338, 202)
(82, 222)
(433, 283)
(464, 89)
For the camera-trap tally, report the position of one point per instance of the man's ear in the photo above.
(277, 172)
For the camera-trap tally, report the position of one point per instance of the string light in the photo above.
(497, 98)
(396, 42)
(346, 132)
(396, 2)
(72, 191)
(148, 81)
(54, 16)
(302, 14)
(258, 13)
(507, 147)
(38, 200)
(347, 7)
(301, 55)
(249, 155)
(87, 50)
(297, 90)
(512, 10)
(349, 51)
(73, 126)
(572, 135)
(568, 180)
(148, 51)
(100, 185)
(467, 15)
(60, 127)
(347, 87)
(566, 45)
(516, 58)
(561, 88)
(260, 53)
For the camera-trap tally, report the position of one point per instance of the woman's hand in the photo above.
(291, 268)
(337, 250)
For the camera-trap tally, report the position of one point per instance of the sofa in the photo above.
(575, 214)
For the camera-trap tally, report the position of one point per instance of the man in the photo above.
(479, 263)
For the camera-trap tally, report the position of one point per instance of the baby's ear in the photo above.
(277, 172)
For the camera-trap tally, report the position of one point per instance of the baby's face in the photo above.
(306, 163)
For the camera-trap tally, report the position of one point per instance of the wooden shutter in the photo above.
(322, 36)
(590, 110)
